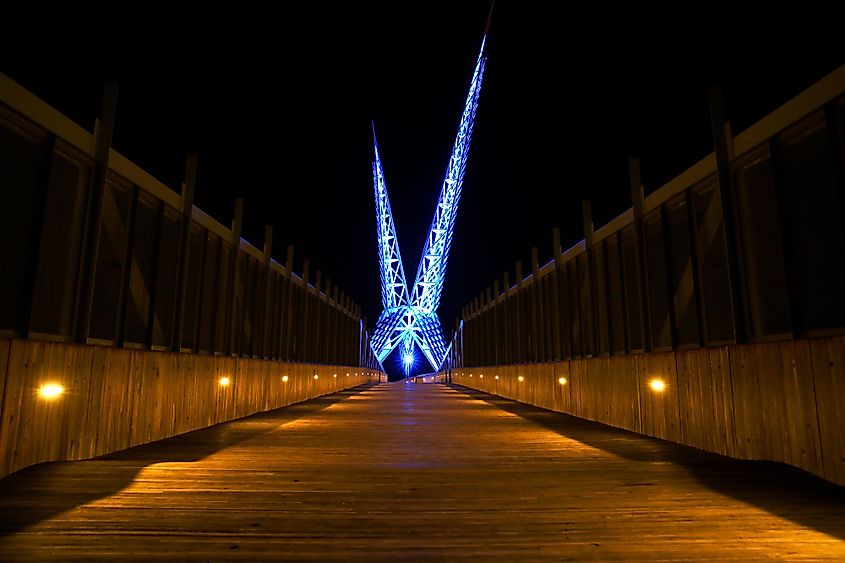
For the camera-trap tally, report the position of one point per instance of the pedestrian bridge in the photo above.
(670, 387)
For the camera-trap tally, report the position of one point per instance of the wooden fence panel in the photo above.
(828, 357)
(706, 400)
(775, 404)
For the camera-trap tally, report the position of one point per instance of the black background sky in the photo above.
(276, 99)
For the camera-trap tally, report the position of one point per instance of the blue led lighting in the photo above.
(410, 318)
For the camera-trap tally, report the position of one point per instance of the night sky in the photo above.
(279, 110)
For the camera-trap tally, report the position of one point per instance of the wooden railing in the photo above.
(717, 326)
(95, 250)
(679, 269)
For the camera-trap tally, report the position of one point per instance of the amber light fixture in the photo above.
(51, 390)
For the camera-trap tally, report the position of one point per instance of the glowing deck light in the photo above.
(481, 375)
(316, 376)
(50, 390)
(347, 375)
(497, 377)
(470, 375)
(224, 381)
(409, 313)
(657, 385)
(521, 378)
(284, 379)
(335, 376)
(562, 381)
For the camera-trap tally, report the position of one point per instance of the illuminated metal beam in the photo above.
(410, 318)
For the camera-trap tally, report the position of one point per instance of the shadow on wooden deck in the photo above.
(777, 488)
(42, 491)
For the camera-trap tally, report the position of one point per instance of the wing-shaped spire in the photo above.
(428, 285)
(394, 288)
(411, 320)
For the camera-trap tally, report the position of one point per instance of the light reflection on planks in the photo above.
(407, 471)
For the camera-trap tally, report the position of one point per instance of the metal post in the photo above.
(103, 132)
(723, 148)
(557, 353)
(592, 334)
(234, 278)
(267, 327)
(638, 204)
(187, 205)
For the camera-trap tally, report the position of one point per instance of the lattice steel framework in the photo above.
(410, 318)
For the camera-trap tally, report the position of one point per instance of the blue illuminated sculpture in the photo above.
(408, 317)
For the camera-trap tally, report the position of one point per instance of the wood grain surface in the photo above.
(404, 471)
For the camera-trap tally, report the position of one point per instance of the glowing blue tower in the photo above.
(408, 317)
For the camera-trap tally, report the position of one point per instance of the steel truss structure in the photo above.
(409, 318)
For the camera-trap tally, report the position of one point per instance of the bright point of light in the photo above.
(521, 378)
(481, 375)
(285, 378)
(470, 375)
(316, 376)
(657, 384)
(562, 381)
(347, 375)
(50, 390)
(409, 358)
(335, 375)
(497, 377)
(224, 381)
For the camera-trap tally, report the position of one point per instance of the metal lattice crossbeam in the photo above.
(409, 318)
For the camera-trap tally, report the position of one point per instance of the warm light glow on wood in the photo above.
(657, 384)
(316, 376)
(521, 378)
(562, 381)
(50, 390)
(285, 378)
(224, 381)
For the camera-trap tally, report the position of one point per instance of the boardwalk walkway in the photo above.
(401, 471)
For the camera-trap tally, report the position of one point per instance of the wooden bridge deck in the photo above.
(401, 471)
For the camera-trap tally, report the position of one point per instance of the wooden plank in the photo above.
(74, 432)
(774, 402)
(706, 399)
(513, 482)
(596, 391)
(828, 357)
(623, 393)
(5, 347)
(579, 388)
(659, 410)
(14, 390)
